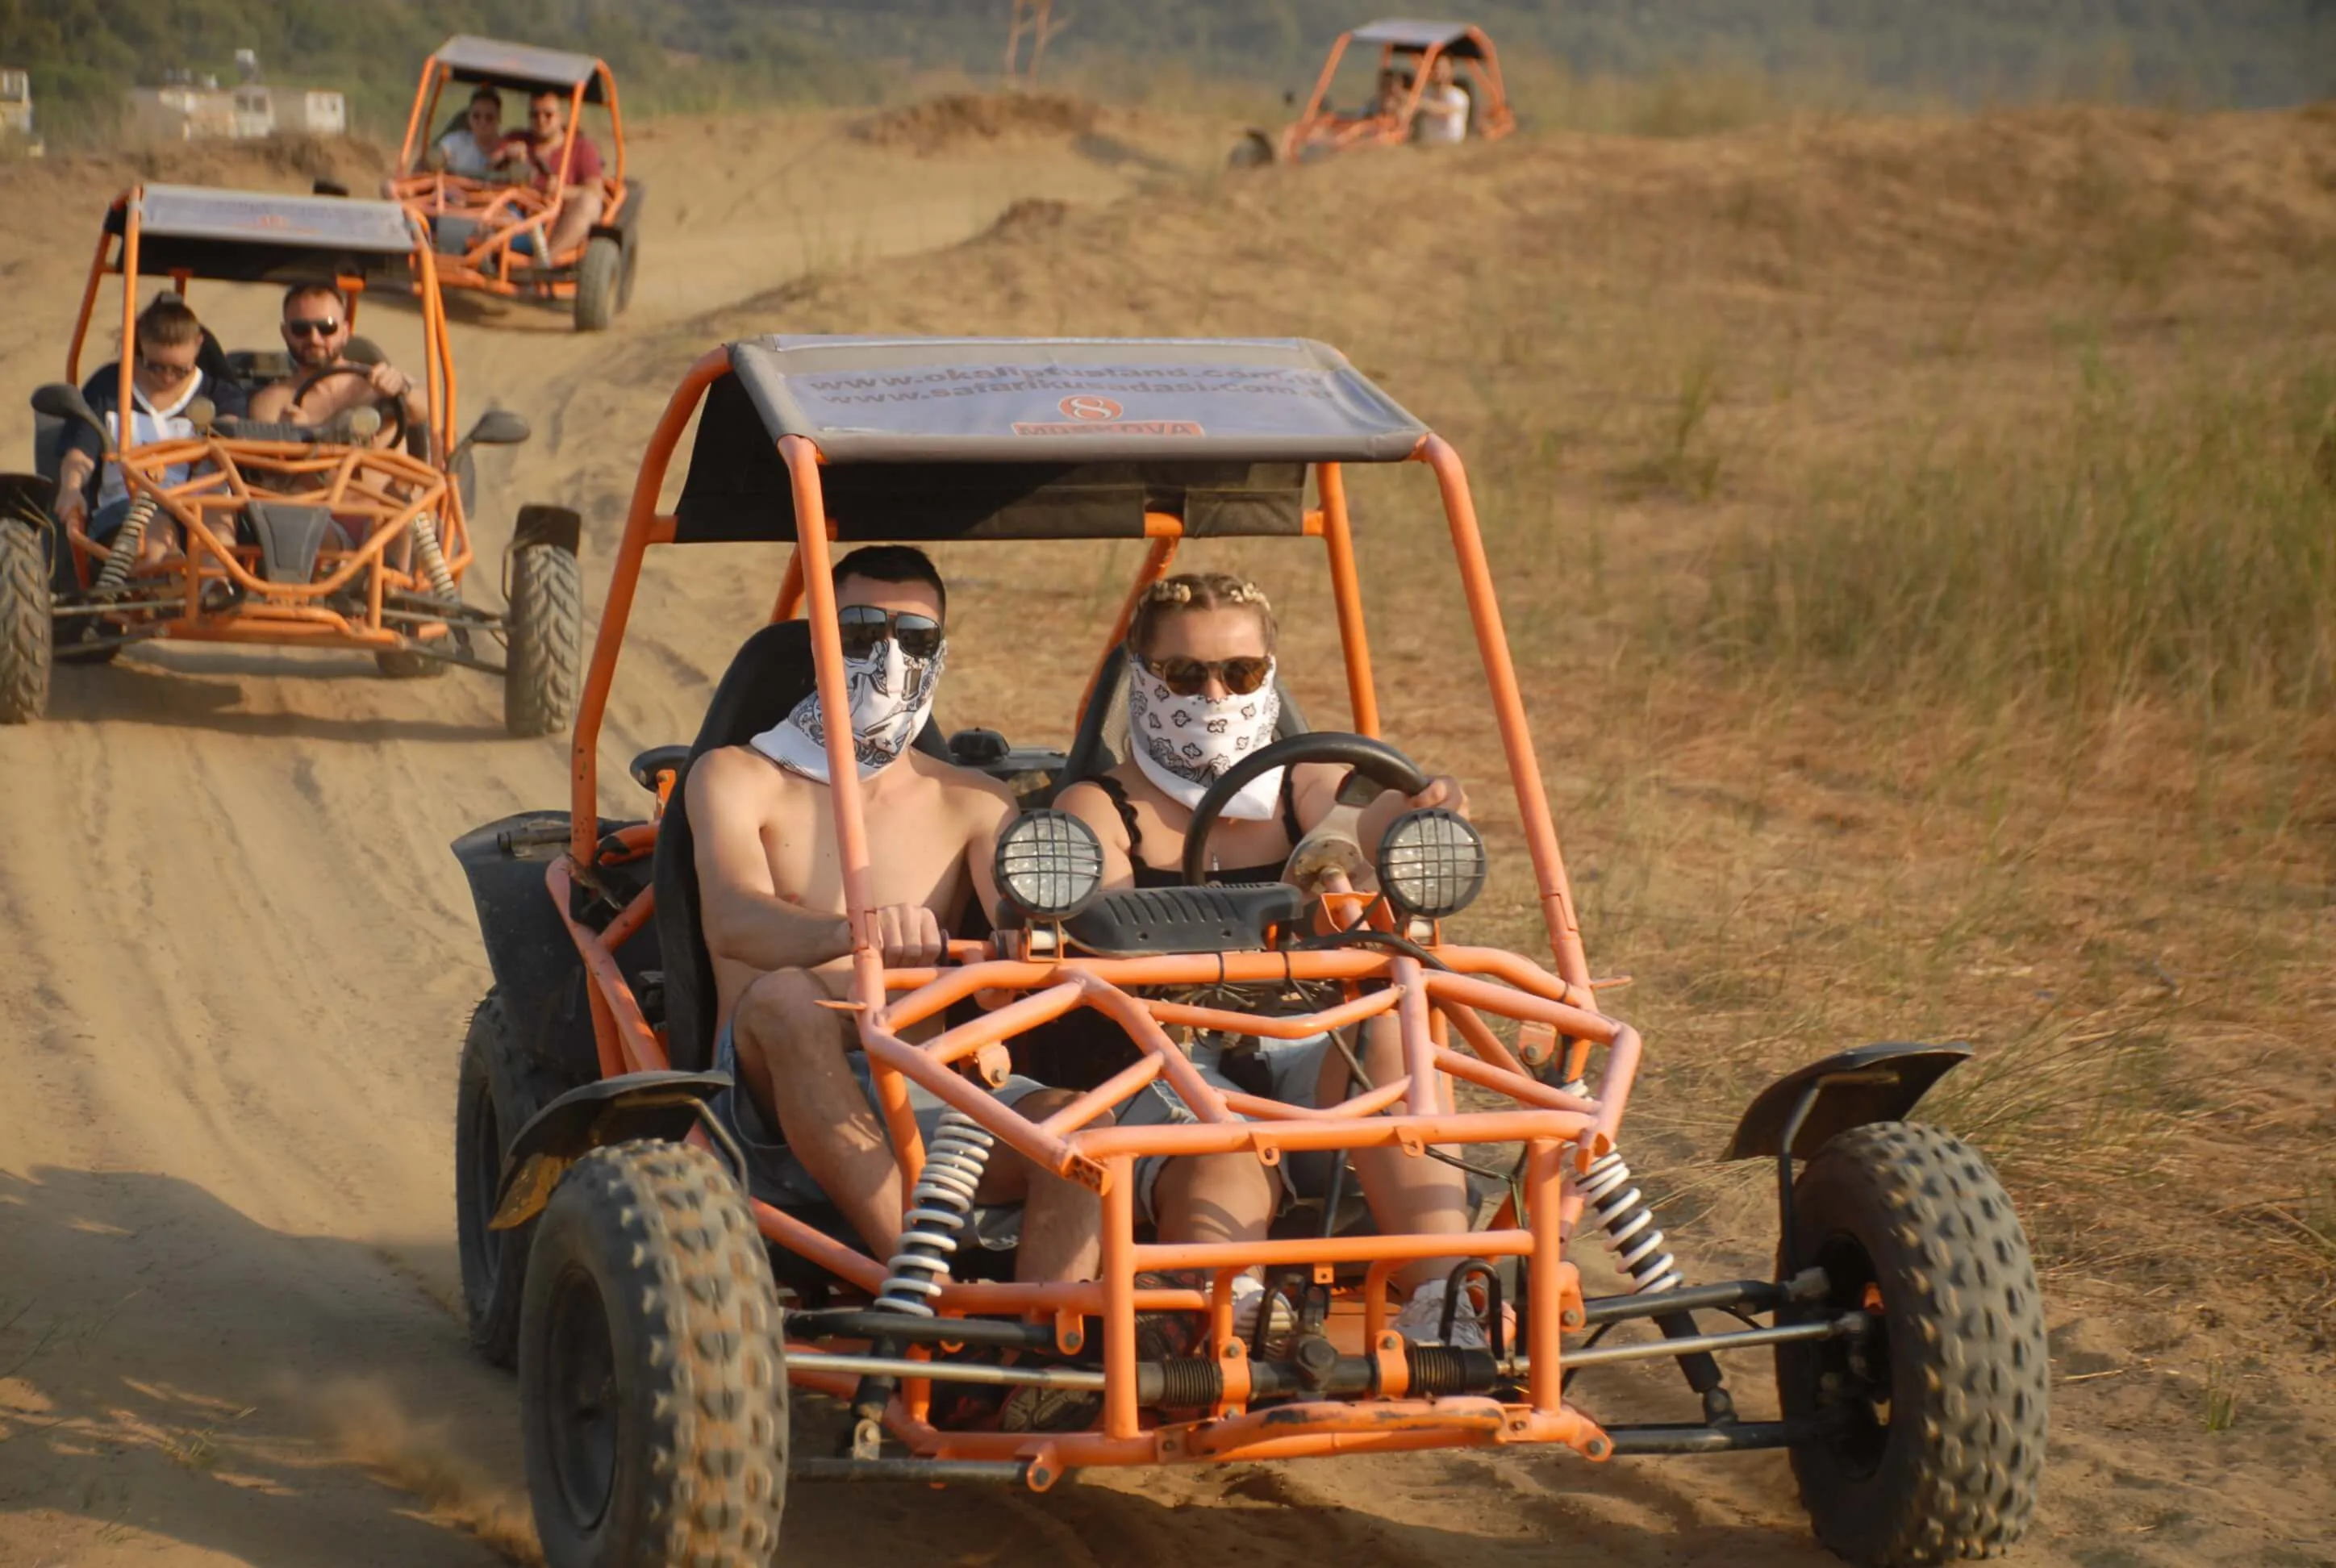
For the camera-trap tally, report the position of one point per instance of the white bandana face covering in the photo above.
(1184, 743)
(891, 698)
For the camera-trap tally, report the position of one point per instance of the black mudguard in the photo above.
(660, 1105)
(558, 526)
(1890, 1079)
(537, 970)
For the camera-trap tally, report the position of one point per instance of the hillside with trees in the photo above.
(705, 54)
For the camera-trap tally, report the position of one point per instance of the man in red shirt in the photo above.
(577, 184)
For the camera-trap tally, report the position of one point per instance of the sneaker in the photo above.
(1248, 1296)
(1421, 1321)
(1028, 1410)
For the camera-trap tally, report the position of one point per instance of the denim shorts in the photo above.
(1293, 1076)
(774, 1173)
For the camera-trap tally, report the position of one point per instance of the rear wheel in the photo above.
(1941, 1406)
(545, 625)
(27, 635)
(1254, 151)
(652, 1378)
(598, 274)
(632, 264)
(497, 1092)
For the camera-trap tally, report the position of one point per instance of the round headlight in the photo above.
(1050, 863)
(1431, 863)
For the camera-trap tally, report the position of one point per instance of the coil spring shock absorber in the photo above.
(128, 540)
(433, 558)
(939, 1205)
(1623, 1213)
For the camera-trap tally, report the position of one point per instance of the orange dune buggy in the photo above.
(490, 232)
(355, 534)
(645, 1313)
(1408, 50)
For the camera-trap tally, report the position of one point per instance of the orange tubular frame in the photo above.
(382, 488)
(1561, 1131)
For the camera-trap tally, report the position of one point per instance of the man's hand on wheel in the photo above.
(390, 381)
(906, 936)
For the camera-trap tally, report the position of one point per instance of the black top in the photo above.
(103, 392)
(1148, 875)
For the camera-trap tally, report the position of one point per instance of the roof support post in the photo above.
(1346, 585)
(1509, 709)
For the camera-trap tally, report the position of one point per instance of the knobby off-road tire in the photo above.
(1948, 1405)
(652, 1379)
(631, 268)
(599, 276)
(545, 626)
(27, 635)
(1252, 151)
(499, 1088)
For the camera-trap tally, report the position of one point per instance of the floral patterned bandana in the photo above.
(1184, 743)
(891, 699)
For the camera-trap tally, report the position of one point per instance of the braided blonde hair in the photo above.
(1189, 590)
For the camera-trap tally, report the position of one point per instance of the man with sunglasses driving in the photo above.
(165, 378)
(772, 895)
(574, 181)
(325, 382)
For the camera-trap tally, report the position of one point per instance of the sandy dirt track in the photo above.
(239, 961)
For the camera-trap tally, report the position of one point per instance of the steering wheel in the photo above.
(1374, 760)
(391, 409)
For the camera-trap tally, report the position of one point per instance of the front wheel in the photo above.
(653, 1382)
(1940, 1410)
(599, 274)
(545, 624)
(26, 637)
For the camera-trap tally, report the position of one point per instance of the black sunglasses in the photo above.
(865, 627)
(1189, 677)
(308, 327)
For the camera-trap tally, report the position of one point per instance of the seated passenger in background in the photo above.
(470, 148)
(574, 181)
(165, 379)
(1442, 117)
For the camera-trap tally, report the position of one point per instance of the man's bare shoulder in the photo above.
(970, 791)
(740, 778)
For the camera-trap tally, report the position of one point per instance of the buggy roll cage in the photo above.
(189, 232)
(248, 237)
(474, 61)
(1422, 43)
(777, 445)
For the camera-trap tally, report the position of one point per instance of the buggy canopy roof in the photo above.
(1456, 38)
(938, 438)
(250, 236)
(468, 58)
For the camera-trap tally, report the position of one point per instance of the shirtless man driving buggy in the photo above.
(772, 894)
(325, 383)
